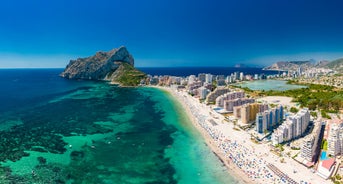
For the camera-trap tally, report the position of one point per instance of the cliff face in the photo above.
(97, 67)
(103, 66)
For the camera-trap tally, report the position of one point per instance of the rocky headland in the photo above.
(116, 65)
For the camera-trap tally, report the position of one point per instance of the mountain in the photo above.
(321, 64)
(116, 65)
(336, 65)
(289, 65)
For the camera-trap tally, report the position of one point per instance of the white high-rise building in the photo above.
(273, 116)
(208, 78)
(202, 77)
(293, 127)
(261, 122)
(241, 76)
(279, 134)
(256, 77)
(300, 71)
(235, 76)
(290, 129)
(305, 118)
(229, 79)
(335, 140)
(306, 148)
(310, 148)
(191, 79)
(203, 92)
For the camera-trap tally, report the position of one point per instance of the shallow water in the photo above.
(97, 133)
(267, 85)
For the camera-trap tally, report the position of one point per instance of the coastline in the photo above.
(232, 170)
(245, 161)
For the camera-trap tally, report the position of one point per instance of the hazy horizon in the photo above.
(48, 34)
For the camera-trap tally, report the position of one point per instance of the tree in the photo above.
(272, 105)
(294, 110)
(325, 115)
(314, 114)
(324, 145)
(312, 104)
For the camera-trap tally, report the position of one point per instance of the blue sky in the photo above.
(40, 33)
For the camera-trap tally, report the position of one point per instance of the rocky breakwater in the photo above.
(116, 65)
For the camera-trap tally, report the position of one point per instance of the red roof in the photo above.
(327, 164)
(309, 164)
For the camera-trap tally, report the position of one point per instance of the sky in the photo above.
(164, 33)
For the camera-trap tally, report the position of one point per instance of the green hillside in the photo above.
(127, 75)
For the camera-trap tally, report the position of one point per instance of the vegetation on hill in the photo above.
(315, 96)
(127, 75)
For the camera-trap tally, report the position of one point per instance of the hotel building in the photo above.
(208, 78)
(269, 119)
(233, 99)
(216, 93)
(294, 127)
(310, 148)
(203, 92)
(335, 140)
(306, 148)
(247, 112)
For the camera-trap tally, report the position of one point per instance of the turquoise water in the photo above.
(97, 133)
(323, 156)
(276, 85)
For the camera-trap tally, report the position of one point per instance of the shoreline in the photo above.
(245, 161)
(232, 170)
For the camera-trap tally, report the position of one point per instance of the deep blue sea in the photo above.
(54, 130)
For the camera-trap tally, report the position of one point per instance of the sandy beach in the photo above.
(245, 160)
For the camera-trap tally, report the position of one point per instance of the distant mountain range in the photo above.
(289, 65)
(336, 65)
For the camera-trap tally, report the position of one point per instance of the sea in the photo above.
(59, 131)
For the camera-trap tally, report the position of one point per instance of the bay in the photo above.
(61, 131)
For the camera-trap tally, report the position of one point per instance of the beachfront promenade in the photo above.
(238, 152)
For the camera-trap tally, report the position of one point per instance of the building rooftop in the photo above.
(327, 164)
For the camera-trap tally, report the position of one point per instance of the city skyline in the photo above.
(44, 34)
